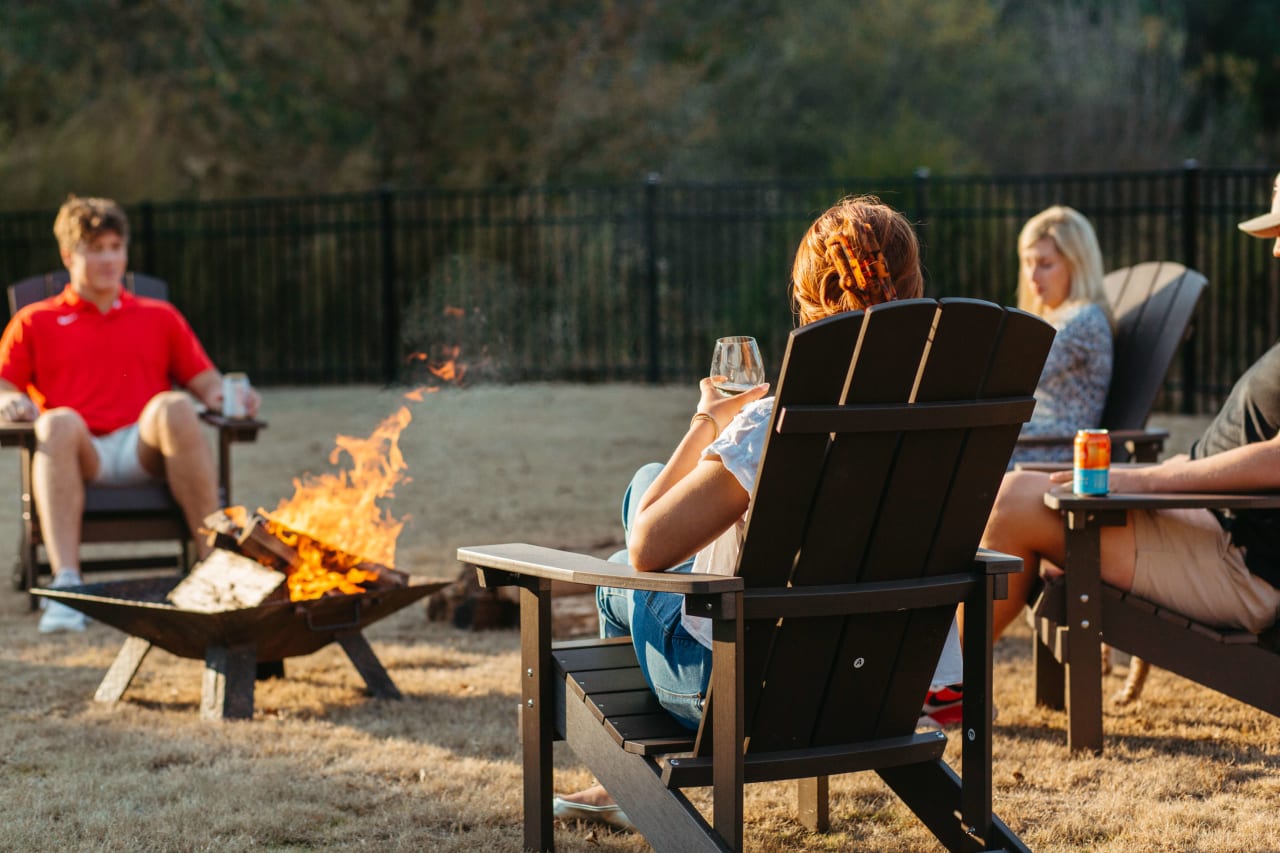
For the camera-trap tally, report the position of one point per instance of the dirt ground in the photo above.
(322, 766)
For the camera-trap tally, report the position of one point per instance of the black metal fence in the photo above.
(634, 282)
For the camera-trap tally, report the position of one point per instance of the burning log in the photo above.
(312, 568)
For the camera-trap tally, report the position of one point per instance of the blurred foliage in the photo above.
(163, 99)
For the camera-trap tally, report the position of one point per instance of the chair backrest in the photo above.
(1152, 303)
(892, 429)
(38, 287)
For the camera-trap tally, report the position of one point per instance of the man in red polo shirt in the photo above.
(95, 368)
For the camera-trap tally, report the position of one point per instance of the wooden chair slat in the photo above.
(1151, 319)
(595, 656)
(624, 703)
(663, 746)
(640, 727)
(881, 752)
(607, 681)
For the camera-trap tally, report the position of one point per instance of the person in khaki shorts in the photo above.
(1218, 569)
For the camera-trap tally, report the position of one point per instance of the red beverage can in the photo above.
(1092, 470)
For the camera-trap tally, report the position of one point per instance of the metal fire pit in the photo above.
(232, 643)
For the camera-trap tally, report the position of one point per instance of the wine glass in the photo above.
(738, 360)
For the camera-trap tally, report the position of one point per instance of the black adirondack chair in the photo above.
(142, 513)
(1153, 303)
(862, 539)
(1073, 616)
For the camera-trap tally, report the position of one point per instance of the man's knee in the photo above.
(169, 410)
(59, 428)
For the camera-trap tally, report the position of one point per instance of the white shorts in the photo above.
(118, 462)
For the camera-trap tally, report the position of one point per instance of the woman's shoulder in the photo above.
(1084, 317)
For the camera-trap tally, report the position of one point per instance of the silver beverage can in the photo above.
(235, 391)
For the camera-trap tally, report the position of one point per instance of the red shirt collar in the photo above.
(70, 298)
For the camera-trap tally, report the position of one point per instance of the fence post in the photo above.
(651, 274)
(390, 299)
(920, 185)
(1190, 258)
(147, 233)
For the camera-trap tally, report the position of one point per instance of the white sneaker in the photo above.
(58, 616)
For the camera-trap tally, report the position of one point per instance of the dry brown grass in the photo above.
(323, 767)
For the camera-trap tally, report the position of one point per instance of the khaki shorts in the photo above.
(118, 463)
(1185, 561)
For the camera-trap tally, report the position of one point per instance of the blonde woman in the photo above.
(1060, 280)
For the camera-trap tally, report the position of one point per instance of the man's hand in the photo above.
(252, 399)
(16, 406)
(1163, 477)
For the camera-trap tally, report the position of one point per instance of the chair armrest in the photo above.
(1155, 437)
(997, 562)
(550, 564)
(17, 433)
(1062, 499)
(234, 429)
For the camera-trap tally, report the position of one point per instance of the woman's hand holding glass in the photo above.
(737, 378)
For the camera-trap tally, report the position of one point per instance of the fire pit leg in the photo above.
(122, 670)
(227, 693)
(367, 664)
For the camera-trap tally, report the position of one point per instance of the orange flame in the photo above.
(341, 509)
(322, 569)
(418, 394)
(444, 367)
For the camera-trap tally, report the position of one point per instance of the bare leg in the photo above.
(172, 444)
(64, 461)
(596, 795)
(1020, 524)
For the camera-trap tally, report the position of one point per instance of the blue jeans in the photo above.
(676, 666)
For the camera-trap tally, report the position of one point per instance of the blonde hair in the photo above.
(816, 289)
(1071, 232)
(80, 220)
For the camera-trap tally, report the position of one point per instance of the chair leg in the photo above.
(1050, 677)
(815, 803)
(537, 713)
(30, 571)
(932, 791)
(1084, 634)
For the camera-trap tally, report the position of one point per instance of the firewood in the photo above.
(388, 578)
(254, 540)
(226, 581)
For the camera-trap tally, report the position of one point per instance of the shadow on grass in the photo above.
(1128, 747)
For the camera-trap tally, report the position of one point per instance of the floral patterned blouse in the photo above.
(1073, 386)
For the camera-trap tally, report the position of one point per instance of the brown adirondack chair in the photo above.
(1152, 303)
(142, 513)
(1074, 615)
(862, 539)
